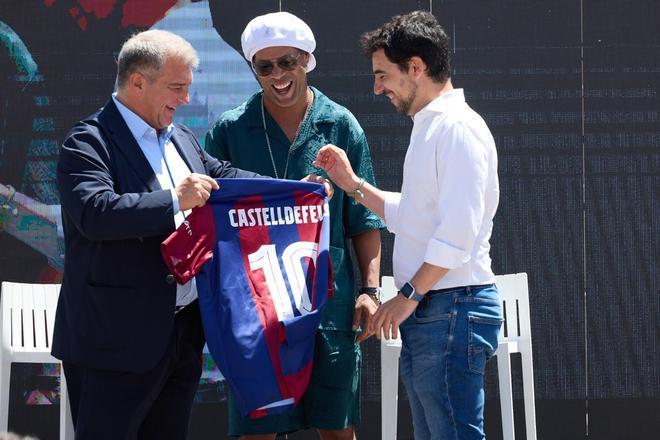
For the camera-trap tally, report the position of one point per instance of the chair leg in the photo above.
(389, 377)
(506, 392)
(5, 375)
(528, 392)
(66, 420)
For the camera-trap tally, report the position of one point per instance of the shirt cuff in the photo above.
(439, 253)
(175, 202)
(391, 209)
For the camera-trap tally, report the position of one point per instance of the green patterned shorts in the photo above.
(332, 399)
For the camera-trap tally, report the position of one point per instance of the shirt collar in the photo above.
(138, 127)
(442, 103)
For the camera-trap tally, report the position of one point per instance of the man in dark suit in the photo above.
(130, 338)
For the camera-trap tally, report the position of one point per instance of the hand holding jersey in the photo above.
(329, 189)
(194, 191)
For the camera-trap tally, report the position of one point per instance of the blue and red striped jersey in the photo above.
(263, 249)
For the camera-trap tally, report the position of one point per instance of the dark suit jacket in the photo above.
(116, 305)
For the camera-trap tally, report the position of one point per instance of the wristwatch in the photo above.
(408, 290)
(373, 292)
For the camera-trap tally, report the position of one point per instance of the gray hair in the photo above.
(147, 51)
(12, 436)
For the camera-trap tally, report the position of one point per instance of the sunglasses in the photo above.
(286, 62)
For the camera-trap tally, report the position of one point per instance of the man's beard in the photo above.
(407, 102)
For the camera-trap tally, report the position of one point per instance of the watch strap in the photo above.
(373, 292)
(409, 291)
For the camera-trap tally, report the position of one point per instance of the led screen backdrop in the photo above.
(569, 89)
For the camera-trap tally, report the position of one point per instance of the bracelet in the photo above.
(373, 292)
(357, 192)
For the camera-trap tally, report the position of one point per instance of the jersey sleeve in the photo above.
(187, 249)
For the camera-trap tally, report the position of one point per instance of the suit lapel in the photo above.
(123, 140)
(186, 148)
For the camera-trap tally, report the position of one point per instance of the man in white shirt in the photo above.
(447, 307)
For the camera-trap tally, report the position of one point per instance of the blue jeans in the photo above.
(446, 343)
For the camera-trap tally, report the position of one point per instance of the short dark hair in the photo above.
(417, 33)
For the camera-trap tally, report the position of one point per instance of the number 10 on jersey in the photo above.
(265, 259)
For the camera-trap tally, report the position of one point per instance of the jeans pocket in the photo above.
(423, 318)
(483, 332)
(433, 309)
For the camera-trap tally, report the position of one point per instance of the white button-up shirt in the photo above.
(444, 213)
(170, 170)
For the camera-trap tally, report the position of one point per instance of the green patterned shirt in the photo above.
(238, 136)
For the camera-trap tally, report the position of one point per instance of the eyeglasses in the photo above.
(286, 62)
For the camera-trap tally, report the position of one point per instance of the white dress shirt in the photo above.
(170, 170)
(444, 213)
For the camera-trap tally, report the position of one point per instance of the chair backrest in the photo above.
(28, 316)
(388, 289)
(514, 296)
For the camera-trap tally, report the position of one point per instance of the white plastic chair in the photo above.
(26, 322)
(389, 371)
(515, 337)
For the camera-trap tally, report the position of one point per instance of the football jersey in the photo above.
(259, 251)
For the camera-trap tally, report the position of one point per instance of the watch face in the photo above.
(407, 290)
